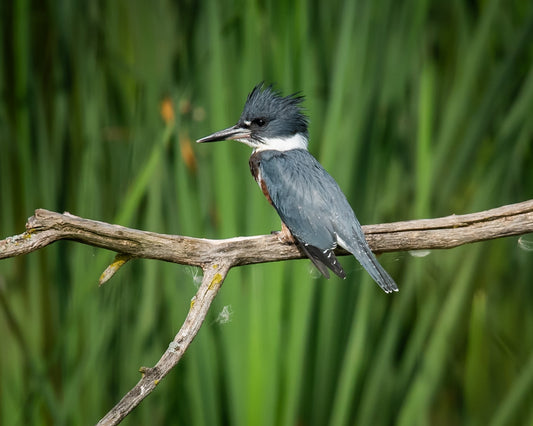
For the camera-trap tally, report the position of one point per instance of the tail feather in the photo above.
(360, 249)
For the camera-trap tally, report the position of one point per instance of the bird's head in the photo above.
(268, 121)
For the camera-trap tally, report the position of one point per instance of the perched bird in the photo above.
(313, 209)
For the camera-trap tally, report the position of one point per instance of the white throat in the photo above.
(297, 141)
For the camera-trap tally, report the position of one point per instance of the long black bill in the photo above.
(231, 133)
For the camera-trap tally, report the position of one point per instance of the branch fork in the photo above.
(217, 257)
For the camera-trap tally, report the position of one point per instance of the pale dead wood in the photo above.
(217, 257)
(45, 227)
(211, 282)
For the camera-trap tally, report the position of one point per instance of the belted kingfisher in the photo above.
(313, 209)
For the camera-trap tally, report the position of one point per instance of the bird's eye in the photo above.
(259, 122)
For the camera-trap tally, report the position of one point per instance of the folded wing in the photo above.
(311, 204)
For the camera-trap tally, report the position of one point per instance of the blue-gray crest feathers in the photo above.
(284, 115)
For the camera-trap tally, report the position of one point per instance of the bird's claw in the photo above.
(284, 236)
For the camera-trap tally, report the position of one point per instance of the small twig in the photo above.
(217, 257)
(119, 262)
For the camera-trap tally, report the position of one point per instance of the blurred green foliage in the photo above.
(418, 109)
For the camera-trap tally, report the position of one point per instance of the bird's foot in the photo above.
(285, 236)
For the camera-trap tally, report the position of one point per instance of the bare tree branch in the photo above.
(45, 227)
(213, 278)
(217, 257)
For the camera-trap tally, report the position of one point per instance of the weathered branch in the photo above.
(212, 280)
(45, 227)
(217, 257)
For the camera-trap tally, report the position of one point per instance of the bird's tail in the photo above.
(360, 249)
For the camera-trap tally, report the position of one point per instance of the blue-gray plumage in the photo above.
(308, 200)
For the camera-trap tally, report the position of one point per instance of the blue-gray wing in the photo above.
(311, 204)
(300, 190)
